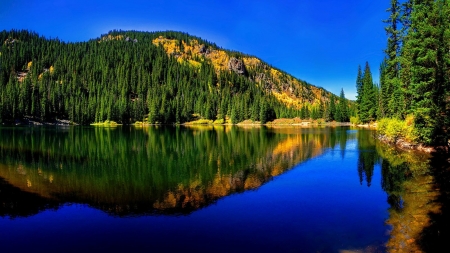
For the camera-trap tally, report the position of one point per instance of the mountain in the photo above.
(159, 77)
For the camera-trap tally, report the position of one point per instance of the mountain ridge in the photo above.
(134, 60)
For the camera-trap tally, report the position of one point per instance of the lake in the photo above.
(216, 189)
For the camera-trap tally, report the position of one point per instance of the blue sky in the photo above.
(321, 42)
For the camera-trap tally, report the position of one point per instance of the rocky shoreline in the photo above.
(405, 145)
(32, 121)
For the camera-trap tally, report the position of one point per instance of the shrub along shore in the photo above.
(403, 134)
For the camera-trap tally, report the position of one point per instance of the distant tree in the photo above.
(332, 111)
(359, 85)
(343, 115)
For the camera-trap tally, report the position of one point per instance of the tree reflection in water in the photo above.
(408, 180)
(417, 187)
(368, 157)
(164, 170)
(179, 170)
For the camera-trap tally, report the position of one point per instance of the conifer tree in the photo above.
(391, 97)
(343, 108)
(359, 85)
(368, 104)
(332, 111)
(429, 44)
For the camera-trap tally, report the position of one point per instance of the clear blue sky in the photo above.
(321, 42)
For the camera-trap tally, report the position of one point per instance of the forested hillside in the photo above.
(159, 77)
(412, 98)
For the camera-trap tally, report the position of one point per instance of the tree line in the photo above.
(415, 74)
(123, 77)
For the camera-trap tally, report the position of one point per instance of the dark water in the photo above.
(210, 189)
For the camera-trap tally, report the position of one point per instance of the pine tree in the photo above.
(391, 100)
(359, 85)
(428, 41)
(332, 111)
(368, 104)
(343, 108)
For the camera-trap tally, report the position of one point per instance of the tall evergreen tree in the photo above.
(332, 111)
(359, 85)
(368, 104)
(390, 99)
(343, 108)
(429, 44)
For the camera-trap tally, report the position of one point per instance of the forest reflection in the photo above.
(176, 170)
(168, 170)
(408, 180)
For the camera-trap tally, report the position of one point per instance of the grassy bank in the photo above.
(106, 123)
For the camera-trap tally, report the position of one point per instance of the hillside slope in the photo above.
(160, 77)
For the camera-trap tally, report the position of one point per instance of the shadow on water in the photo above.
(17, 203)
(436, 236)
(418, 187)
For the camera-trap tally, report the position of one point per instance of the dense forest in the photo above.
(159, 77)
(413, 94)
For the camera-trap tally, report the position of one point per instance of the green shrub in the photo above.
(354, 120)
(202, 122)
(219, 121)
(395, 129)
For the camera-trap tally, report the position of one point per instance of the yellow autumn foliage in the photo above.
(110, 37)
(194, 53)
(252, 182)
(251, 62)
(169, 46)
(220, 59)
(287, 100)
(180, 60)
(195, 64)
(287, 146)
(275, 74)
(193, 47)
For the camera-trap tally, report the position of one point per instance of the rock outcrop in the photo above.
(237, 66)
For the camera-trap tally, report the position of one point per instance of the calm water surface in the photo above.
(207, 189)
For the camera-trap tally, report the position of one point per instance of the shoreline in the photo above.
(294, 122)
(408, 146)
(405, 145)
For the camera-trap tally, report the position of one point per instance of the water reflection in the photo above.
(151, 170)
(409, 183)
(177, 170)
(368, 157)
(416, 202)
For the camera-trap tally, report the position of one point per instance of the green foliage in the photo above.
(201, 122)
(367, 106)
(354, 120)
(359, 86)
(141, 166)
(129, 80)
(342, 114)
(395, 129)
(414, 77)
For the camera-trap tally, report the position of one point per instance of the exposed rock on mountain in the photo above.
(236, 65)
